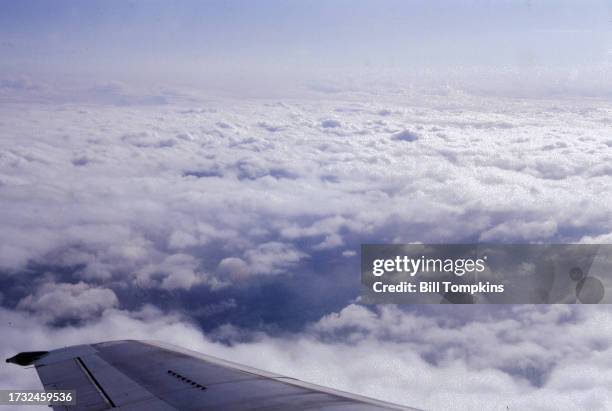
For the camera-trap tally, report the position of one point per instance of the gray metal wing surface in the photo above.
(145, 375)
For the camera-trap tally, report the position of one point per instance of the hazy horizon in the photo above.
(283, 47)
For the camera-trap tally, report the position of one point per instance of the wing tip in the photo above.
(26, 358)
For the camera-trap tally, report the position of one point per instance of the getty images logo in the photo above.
(412, 266)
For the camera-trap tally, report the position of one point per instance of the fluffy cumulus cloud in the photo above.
(439, 362)
(144, 219)
(265, 259)
(57, 302)
(146, 193)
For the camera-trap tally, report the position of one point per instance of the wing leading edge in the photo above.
(144, 375)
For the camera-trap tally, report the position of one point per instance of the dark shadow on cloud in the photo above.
(405, 135)
(203, 173)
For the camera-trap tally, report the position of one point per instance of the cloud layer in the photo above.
(244, 219)
(433, 362)
(137, 193)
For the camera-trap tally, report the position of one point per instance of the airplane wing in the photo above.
(144, 375)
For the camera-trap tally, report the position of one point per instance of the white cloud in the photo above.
(273, 258)
(217, 193)
(427, 361)
(495, 170)
(176, 271)
(270, 258)
(236, 268)
(61, 301)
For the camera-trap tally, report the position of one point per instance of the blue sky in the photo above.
(192, 41)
